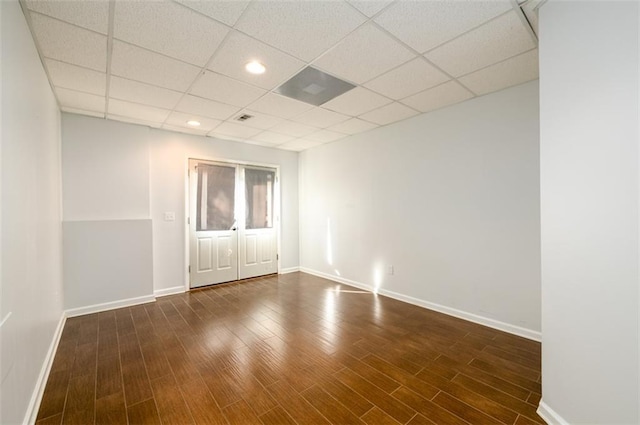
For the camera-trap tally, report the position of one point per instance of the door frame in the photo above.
(277, 206)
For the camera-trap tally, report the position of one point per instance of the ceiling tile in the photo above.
(424, 25)
(363, 55)
(438, 97)
(226, 90)
(133, 91)
(168, 28)
(236, 130)
(227, 11)
(142, 65)
(353, 126)
(82, 112)
(325, 136)
(294, 129)
(78, 100)
(93, 15)
(299, 145)
(133, 120)
(184, 130)
(76, 78)
(69, 43)
(356, 102)
(511, 72)
(240, 49)
(495, 41)
(408, 79)
(370, 7)
(179, 119)
(389, 114)
(206, 108)
(321, 118)
(225, 137)
(137, 111)
(272, 137)
(530, 9)
(258, 119)
(280, 106)
(304, 29)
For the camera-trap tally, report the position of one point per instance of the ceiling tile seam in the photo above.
(200, 74)
(307, 63)
(80, 91)
(66, 22)
(498, 62)
(433, 88)
(471, 30)
(525, 21)
(375, 15)
(201, 14)
(418, 54)
(107, 88)
(27, 14)
(72, 64)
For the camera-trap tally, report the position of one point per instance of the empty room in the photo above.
(320, 212)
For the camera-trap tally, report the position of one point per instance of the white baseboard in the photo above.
(41, 383)
(549, 415)
(338, 279)
(96, 308)
(485, 321)
(169, 291)
(289, 270)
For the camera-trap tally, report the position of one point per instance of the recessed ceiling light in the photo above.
(193, 123)
(255, 67)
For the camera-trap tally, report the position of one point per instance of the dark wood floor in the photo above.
(284, 350)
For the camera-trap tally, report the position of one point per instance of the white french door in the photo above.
(232, 222)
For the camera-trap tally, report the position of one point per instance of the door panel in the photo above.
(257, 234)
(213, 246)
(205, 255)
(251, 249)
(232, 222)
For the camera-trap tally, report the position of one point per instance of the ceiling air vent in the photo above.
(313, 86)
(244, 117)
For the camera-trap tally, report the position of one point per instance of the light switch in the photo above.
(169, 216)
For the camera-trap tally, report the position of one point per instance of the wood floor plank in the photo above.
(80, 405)
(51, 420)
(427, 408)
(375, 416)
(332, 409)
(55, 394)
(295, 405)
(277, 416)
(271, 350)
(202, 406)
(399, 411)
(109, 376)
(240, 413)
(172, 407)
(111, 410)
(143, 413)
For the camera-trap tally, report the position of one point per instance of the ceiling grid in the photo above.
(162, 63)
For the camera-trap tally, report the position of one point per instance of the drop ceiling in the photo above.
(163, 63)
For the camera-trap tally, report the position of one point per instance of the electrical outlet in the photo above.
(169, 216)
(390, 270)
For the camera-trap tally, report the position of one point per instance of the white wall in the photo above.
(449, 198)
(105, 169)
(589, 197)
(169, 155)
(106, 213)
(142, 174)
(31, 285)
